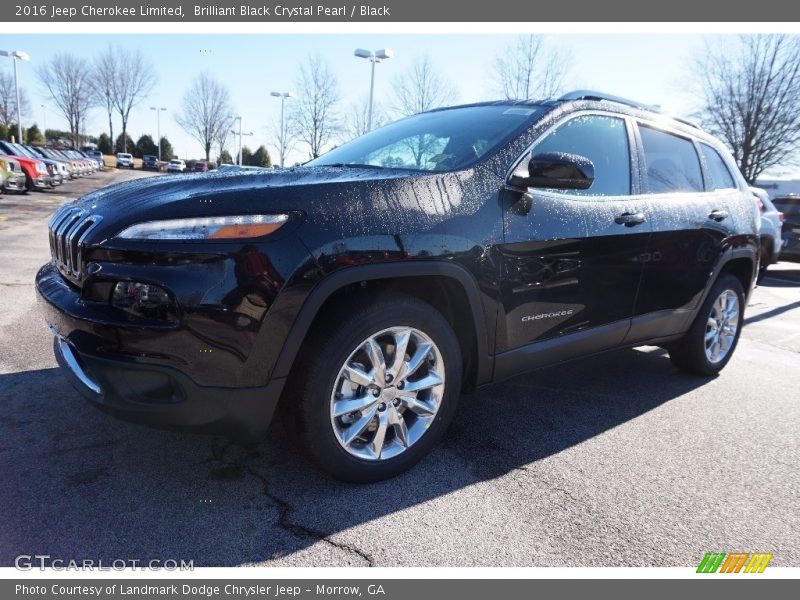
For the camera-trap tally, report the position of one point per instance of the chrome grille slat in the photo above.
(69, 230)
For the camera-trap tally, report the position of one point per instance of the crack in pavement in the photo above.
(285, 509)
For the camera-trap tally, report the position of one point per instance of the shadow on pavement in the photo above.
(78, 484)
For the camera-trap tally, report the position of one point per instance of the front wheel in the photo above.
(375, 389)
(711, 340)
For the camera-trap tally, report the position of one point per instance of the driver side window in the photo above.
(601, 139)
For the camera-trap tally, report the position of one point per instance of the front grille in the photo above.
(69, 228)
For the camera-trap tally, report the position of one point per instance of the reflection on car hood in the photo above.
(356, 201)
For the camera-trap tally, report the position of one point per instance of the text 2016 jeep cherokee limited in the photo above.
(364, 291)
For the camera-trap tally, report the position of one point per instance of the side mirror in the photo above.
(558, 170)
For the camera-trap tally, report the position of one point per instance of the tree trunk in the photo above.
(111, 128)
(124, 135)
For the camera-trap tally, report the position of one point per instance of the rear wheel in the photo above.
(711, 340)
(375, 389)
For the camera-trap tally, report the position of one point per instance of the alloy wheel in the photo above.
(722, 325)
(387, 393)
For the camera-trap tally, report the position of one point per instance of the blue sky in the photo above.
(650, 68)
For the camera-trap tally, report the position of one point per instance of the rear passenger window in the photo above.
(671, 162)
(721, 178)
(604, 141)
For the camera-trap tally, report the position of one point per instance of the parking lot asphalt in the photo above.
(617, 460)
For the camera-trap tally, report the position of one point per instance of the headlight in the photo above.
(206, 228)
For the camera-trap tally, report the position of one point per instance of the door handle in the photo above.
(630, 219)
(718, 215)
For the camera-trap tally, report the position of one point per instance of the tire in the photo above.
(694, 353)
(344, 446)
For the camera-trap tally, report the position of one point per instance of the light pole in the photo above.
(240, 134)
(16, 55)
(283, 96)
(373, 57)
(158, 127)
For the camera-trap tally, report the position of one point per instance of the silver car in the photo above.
(771, 224)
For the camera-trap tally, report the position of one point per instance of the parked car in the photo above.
(70, 168)
(150, 163)
(84, 167)
(790, 208)
(54, 172)
(36, 174)
(770, 233)
(124, 160)
(176, 165)
(364, 291)
(58, 168)
(98, 158)
(73, 166)
(12, 179)
(94, 164)
(200, 166)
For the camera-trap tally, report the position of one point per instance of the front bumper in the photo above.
(165, 398)
(135, 387)
(41, 182)
(791, 242)
(15, 183)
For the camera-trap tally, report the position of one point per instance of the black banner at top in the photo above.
(283, 11)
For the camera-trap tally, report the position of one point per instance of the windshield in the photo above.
(21, 151)
(441, 140)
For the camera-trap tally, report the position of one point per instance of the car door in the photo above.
(571, 259)
(689, 220)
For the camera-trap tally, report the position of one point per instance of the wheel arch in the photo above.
(451, 283)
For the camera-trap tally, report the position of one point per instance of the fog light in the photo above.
(142, 299)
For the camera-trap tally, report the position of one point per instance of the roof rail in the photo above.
(594, 95)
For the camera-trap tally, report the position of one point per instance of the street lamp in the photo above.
(373, 57)
(283, 96)
(16, 55)
(240, 134)
(158, 127)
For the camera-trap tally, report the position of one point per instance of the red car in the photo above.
(199, 167)
(36, 175)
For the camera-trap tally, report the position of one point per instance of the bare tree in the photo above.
(751, 99)
(206, 110)
(313, 119)
(105, 71)
(526, 69)
(67, 79)
(134, 80)
(419, 89)
(357, 116)
(422, 88)
(223, 133)
(8, 100)
(289, 140)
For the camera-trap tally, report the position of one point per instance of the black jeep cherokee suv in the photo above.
(364, 291)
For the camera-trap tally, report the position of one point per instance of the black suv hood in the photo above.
(343, 198)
